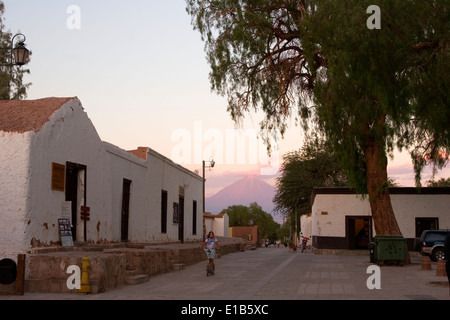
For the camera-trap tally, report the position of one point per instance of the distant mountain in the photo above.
(243, 192)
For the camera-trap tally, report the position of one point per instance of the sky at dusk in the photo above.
(140, 72)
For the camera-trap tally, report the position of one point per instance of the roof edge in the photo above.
(392, 190)
(20, 116)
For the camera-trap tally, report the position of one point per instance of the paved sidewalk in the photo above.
(278, 274)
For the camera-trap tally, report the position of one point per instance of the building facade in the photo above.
(217, 223)
(341, 219)
(53, 165)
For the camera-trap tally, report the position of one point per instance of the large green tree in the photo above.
(12, 85)
(370, 98)
(240, 215)
(367, 90)
(314, 165)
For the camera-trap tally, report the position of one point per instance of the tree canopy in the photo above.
(367, 91)
(314, 165)
(383, 88)
(443, 182)
(240, 215)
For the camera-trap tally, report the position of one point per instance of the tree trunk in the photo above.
(383, 215)
(377, 188)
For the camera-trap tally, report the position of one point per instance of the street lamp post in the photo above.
(18, 54)
(211, 165)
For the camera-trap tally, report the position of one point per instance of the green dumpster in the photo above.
(389, 248)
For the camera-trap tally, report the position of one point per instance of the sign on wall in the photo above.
(175, 212)
(66, 209)
(65, 232)
(58, 176)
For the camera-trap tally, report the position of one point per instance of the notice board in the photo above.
(65, 232)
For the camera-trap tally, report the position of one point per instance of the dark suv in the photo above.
(433, 243)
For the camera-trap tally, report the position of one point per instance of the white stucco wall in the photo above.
(218, 224)
(168, 176)
(125, 165)
(14, 170)
(408, 207)
(69, 135)
(149, 178)
(30, 208)
(329, 211)
(306, 225)
(221, 226)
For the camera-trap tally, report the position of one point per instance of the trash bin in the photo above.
(8, 271)
(389, 248)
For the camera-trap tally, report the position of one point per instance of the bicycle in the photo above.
(210, 266)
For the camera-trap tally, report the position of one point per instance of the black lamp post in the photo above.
(211, 165)
(19, 53)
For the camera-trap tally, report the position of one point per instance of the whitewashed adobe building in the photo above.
(53, 163)
(217, 223)
(339, 215)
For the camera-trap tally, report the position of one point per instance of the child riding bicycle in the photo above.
(211, 244)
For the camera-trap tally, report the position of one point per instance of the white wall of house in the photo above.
(306, 225)
(148, 179)
(408, 207)
(14, 207)
(164, 174)
(68, 136)
(219, 224)
(222, 225)
(329, 211)
(127, 166)
(30, 208)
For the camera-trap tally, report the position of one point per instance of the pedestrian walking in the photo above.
(304, 243)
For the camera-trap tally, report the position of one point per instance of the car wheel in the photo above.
(438, 254)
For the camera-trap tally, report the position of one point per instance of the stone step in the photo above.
(178, 266)
(131, 272)
(137, 279)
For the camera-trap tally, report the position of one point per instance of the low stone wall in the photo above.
(46, 271)
(144, 261)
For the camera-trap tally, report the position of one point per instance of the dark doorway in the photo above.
(125, 209)
(194, 217)
(358, 231)
(164, 198)
(181, 219)
(426, 224)
(75, 191)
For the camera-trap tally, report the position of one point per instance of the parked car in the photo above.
(433, 243)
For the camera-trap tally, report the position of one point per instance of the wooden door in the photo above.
(125, 209)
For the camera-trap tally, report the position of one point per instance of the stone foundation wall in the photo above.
(48, 272)
(109, 267)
